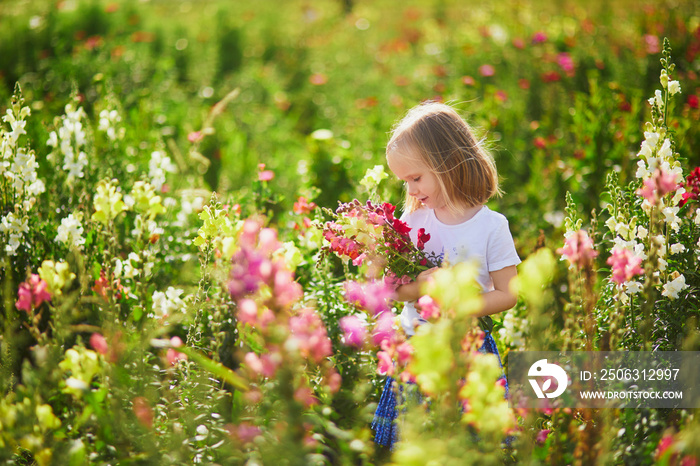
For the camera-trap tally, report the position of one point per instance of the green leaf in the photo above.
(216, 368)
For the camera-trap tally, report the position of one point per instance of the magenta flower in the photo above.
(354, 333)
(664, 444)
(539, 37)
(487, 70)
(566, 63)
(32, 293)
(428, 308)
(578, 249)
(625, 265)
(542, 436)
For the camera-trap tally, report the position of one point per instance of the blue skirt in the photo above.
(386, 431)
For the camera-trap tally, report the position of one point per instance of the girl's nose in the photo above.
(412, 191)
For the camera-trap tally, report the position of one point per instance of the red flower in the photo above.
(423, 238)
(692, 187)
(501, 96)
(693, 100)
(551, 76)
(401, 227)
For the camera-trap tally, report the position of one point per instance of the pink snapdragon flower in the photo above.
(374, 296)
(428, 308)
(386, 365)
(487, 70)
(578, 249)
(656, 187)
(404, 352)
(625, 265)
(383, 329)
(32, 293)
(265, 365)
(99, 343)
(264, 175)
(309, 335)
(245, 432)
(354, 333)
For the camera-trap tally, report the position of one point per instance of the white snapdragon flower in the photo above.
(639, 251)
(158, 166)
(513, 329)
(611, 223)
(657, 99)
(677, 248)
(108, 122)
(15, 228)
(662, 265)
(642, 232)
(128, 268)
(633, 287)
(651, 139)
(674, 287)
(678, 197)
(164, 304)
(68, 141)
(665, 151)
(642, 170)
(697, 217)
(671, 217)
(70, 232)
(623, 230)
(674, 87)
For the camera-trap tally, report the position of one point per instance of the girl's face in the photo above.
(421, 181)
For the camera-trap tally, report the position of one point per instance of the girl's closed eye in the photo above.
(416, 179)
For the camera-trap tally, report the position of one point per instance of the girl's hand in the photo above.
(425, 275)
(411, 291)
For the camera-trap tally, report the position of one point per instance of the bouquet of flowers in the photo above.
(369, 233)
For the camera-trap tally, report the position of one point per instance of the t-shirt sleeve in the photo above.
(501, 251)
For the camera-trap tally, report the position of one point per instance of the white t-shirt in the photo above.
(485, 238)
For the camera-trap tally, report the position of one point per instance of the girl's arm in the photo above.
(498, 300)
(501, 298)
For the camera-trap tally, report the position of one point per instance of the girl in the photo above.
(449, 176)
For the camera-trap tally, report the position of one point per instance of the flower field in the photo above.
(200, 238)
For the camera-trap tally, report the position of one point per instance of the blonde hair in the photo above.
(465, 169)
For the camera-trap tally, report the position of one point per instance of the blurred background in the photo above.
(558, 88)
